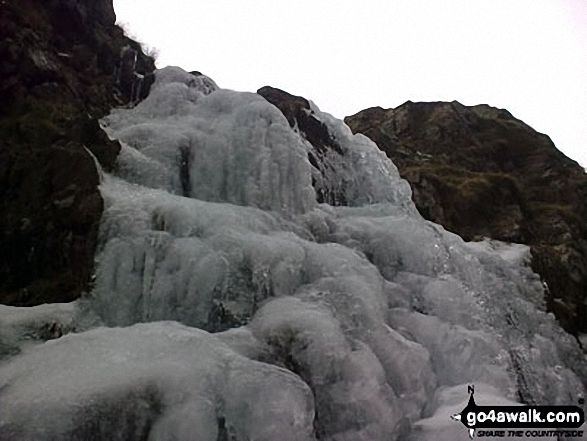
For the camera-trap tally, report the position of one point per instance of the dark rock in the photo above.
(480, 172)
(298, 113)
(133, 78)
(60, 73)
(51, 208)
(87, 132)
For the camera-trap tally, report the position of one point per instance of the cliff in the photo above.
(65, 64)
(480, 172)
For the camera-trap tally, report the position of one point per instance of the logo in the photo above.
(511, 421)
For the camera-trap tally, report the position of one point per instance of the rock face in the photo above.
(298, 113)
(64, 65)
(480, 172)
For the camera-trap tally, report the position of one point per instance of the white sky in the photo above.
(527, 56)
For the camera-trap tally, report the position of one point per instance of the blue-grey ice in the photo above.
(229, 305)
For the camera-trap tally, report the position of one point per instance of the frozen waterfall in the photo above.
(229, 305)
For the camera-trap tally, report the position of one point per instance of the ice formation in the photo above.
(230, 305)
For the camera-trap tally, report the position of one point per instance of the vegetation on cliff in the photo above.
(480, 172)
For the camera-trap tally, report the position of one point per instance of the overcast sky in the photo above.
(527, 56)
